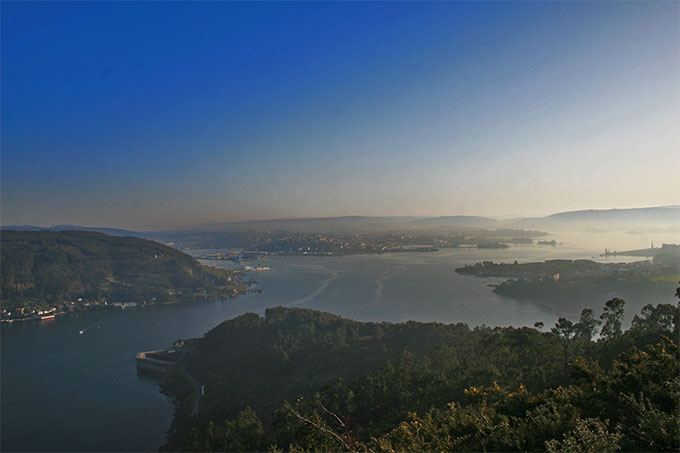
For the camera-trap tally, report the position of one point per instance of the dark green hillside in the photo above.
(42, 268)
(301, 380)
(293, 351)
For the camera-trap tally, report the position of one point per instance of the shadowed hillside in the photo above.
(302, 380)
(47, 267)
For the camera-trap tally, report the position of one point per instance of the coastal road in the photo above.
(196, 390)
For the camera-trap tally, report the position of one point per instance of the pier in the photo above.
(157, 361)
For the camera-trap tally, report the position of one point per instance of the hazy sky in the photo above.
(150, 115)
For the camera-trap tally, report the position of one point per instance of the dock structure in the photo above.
(157, 361)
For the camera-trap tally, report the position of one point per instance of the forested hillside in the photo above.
(303, 380)
(48, 267)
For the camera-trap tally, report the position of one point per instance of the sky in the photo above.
(160, 115)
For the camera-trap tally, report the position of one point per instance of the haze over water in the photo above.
(88, 383)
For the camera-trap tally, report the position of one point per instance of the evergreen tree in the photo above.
(587, 326)
(612, 317)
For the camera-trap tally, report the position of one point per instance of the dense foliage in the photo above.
(303, 380)
(576, 284)
(47, 267)
(261, 361)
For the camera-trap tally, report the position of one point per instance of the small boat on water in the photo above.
(258, 268)
(82, 331)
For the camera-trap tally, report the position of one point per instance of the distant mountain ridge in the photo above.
(458, 221)
(315, 224)
(665, 215)
(660, 215)
(105, 230)
(653, 213)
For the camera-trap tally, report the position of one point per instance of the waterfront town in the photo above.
(253, 243)
(44, 312)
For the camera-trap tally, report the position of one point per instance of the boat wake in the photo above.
(318, 291)
(82, 331)
(380, 286)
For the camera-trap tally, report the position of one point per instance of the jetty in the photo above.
(157, 362)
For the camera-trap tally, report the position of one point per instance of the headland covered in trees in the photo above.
(302, 380)
(571, 282)
(48, 272)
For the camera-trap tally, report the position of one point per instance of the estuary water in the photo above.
(63, 391)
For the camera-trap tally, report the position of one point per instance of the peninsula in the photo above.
(312, 381)
(569, 281)
(46, 273)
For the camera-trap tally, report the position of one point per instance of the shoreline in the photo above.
(112, 307)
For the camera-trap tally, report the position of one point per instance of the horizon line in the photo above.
(280, 219)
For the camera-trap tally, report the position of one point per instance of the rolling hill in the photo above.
(49, 267)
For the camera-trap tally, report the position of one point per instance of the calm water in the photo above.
(62, 391)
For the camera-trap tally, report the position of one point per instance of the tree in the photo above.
(564, 328)
(612, 316)
(661, 318)
(587, 326)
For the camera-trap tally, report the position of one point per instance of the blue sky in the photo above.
(153, 115)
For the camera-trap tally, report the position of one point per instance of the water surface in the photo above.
(62, 391)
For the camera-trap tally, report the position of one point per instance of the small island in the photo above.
(49, 273)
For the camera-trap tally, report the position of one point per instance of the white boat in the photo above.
(258, 268)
